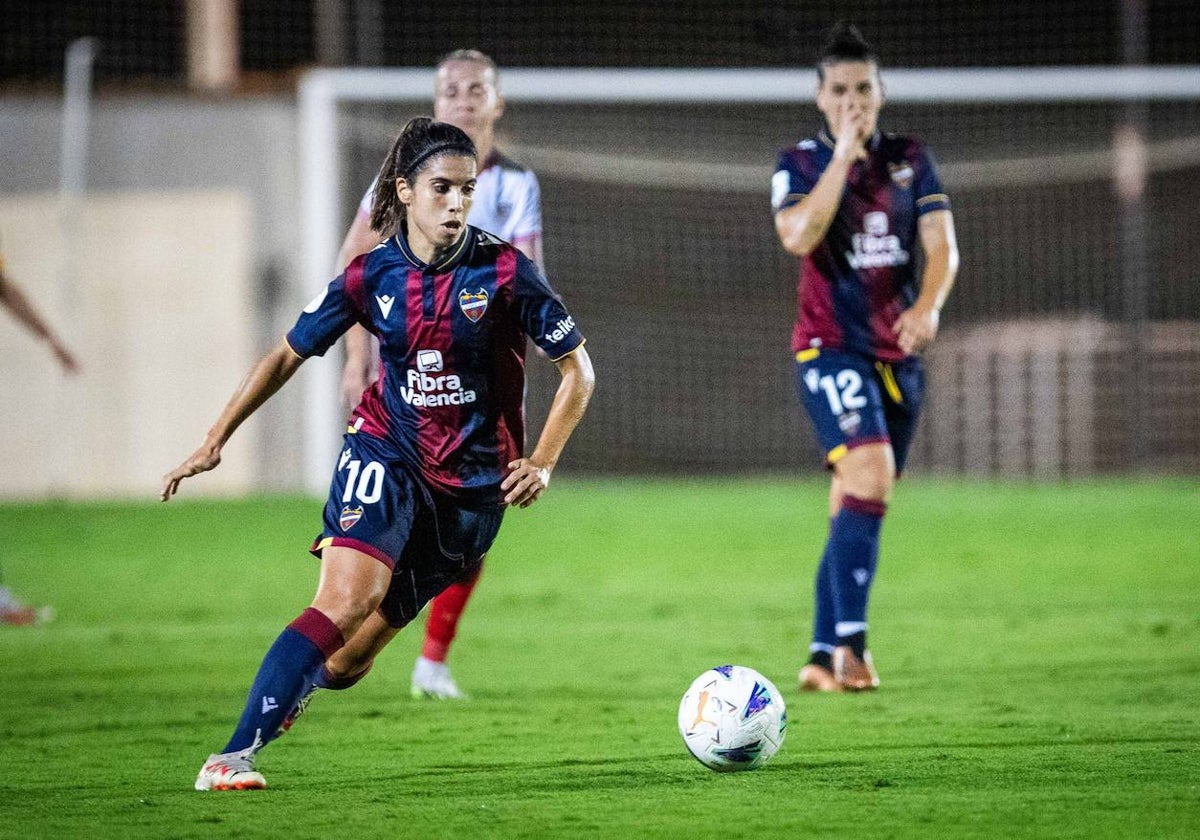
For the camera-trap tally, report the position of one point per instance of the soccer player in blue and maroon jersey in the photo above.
(507, 204)
(854, 203)
(433, 454)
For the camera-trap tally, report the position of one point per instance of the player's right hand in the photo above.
(202, 460)
(851, 132)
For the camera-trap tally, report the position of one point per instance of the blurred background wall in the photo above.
(1069, 348)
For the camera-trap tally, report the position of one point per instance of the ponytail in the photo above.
(420, 141)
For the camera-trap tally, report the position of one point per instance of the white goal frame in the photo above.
(321, 91)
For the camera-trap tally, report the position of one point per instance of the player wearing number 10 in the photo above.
(434, 450)
(853, 203)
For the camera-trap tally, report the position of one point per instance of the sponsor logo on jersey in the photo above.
(350, 517)
(425, 391)
(902, 174)
(429, 361)
(385, 304)
(875, 247)
(473, 304)
(561, 330)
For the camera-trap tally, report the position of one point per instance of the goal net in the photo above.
(1069, 346)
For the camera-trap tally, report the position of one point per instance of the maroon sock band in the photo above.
(315, 626)
(864, 506)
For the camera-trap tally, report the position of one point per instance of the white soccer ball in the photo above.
(732, 718)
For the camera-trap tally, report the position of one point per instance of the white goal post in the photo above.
(322, 91)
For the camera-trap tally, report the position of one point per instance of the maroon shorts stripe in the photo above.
(358, 545)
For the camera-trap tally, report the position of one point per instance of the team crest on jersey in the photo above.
(849, 423)
(473, 304)
(902, 174)
(349, 517)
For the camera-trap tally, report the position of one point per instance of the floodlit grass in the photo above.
(1039, 649)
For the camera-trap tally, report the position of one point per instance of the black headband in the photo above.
(437, 149)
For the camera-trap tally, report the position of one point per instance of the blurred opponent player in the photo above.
(854, 203)
(433, 454)
(508, 204)
(12, 611)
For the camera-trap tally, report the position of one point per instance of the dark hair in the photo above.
(844, 43)
(420, 141)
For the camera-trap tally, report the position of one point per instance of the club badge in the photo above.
(349, 517)
(473, 304)
(902, 174)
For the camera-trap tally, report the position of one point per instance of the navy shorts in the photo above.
(428, 540)
(854, 400)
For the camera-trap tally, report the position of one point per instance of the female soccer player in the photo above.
(434, 450)
(854, 203)
(508, 204)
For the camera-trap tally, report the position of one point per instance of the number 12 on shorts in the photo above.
(365, 483)
(841, 389)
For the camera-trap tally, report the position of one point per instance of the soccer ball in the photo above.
(732, 718)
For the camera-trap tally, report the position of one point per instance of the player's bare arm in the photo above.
(356, 375)
(917, 326)
(14, 299)
(530, 476)
(802, 226)
(531, 246)
(263, 380)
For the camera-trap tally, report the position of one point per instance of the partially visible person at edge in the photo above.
(14, 299)
(507, 203)
(433, 454)
(854, 203)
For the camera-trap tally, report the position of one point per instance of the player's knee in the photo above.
(868, 473)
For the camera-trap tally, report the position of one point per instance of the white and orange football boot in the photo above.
(230, 771)
(852, 673)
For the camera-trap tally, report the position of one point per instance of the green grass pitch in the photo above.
(1039, 648)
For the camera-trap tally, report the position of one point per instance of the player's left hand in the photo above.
(525, 483)
(202, 460)
(916, 327)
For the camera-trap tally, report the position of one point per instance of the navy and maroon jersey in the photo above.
(450, 395)
(857, 281)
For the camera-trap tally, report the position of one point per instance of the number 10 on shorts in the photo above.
(365, 483)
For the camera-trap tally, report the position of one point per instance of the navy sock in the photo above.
(852, 554)
(821, 658)
(286, 674)
(824, 637)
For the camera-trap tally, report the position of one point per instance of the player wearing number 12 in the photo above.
(434, 451)
(854, 203)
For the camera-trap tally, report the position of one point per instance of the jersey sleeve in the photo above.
(541, 312)
(790, 183)
(333, 311)
(527, 214)
(927, 186)
(368, 199)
